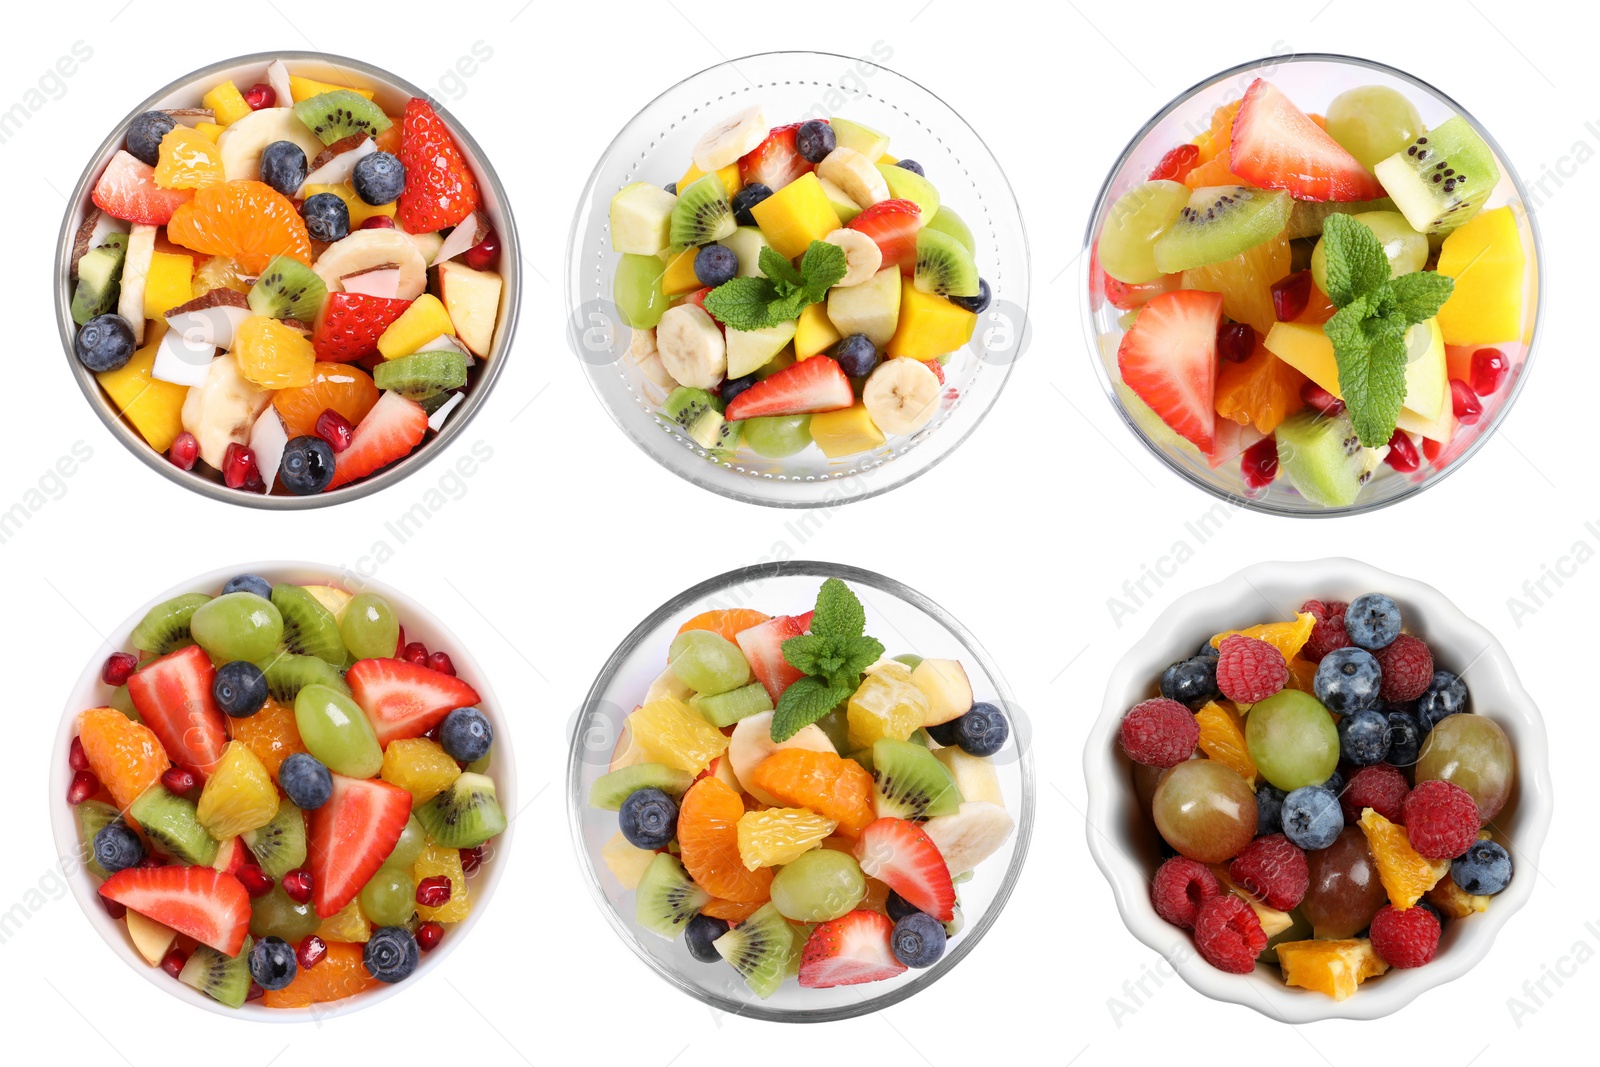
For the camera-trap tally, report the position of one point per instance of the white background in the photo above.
(568, 534)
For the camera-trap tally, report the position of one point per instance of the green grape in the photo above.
(822, 884)
(777, 436)
(708, 663)
(1128, 238)
(336, 731)
(413, 839)
(277, 915)
(1372, 123)
(481, 764)
(369, 627)
(1292, 740)
(237, 626)
(122, 700)
(910, 659)
(390, 897)
(637, 290)
(1406, 248)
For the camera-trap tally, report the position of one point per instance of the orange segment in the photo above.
(270, 733)
(1405, 874)
(1455, 902)
(1302, 675)
(272, 354)
(726, 622)
(1287, 637)
(1216, 139)
(825, 783)
(340, 974)
(188, 160)
(1245, 282)
(125, 755)
(734, 911)
(245, 220)
(1223, 741)
(1263, 390)
(1335, 968)
(1213, 172)
(339, 386)
(708, 837)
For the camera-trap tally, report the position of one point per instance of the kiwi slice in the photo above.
(94, 816)
(667, 898)
(1442, 178)
(309, 629)
(172, 826)
(340, 113)
(1323, 458)
(288, 673)
(908, 783)
(702, 214)
(944, 266)
(465, 815)
(610, 790)
(1307, 217)
(700, 415)
(725, 709)
(165, 627)
(288, 289)
(422, 374)
(225, 979)
(760, 949)
(280, 846)
(1218, 223)
(99, 278)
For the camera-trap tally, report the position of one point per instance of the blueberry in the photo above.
(1269, 809)
(283, 166)
(918, 940)
(307, 465)
(747, 198)
(1445, 695)
(857, 355)
(306, 781)
(715, 264)
(379, 178)
(466, 735)
(327, 217)
(1405, 737)
(1364, 737)
(732, 387)
(1191, 681)
(975, 304)
(104, 343)
(1207, 650)
(648, 818)
(272, 963)
(1372, 621)
(1437, 914)
(1483, 870)
(671, 187)
(391, 954)
(814, 140)
(239, 688)
(1312, 817)
(897, 907)
(145, 133)
(982, 731)
(1335, 784)
(249, 583)
(944, 734)
(1348, 680)
(116, 848)
(698, 935)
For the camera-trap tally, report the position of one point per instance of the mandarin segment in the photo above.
(725, 622)
(125, 755)
(273, 355)
(823, 782)
(333, 386)
(776, 836)
(733, 911)
(420, 767)
(247, 221)
(1287, 637)
(341, 974)
(708, 837)
(1222, 739)
(1245, 281)
(270, 733)
(1334, 968)
(1405, 874)
(188, 160)
(1263, 390)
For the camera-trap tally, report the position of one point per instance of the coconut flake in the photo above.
(278, 78)
(468, 233)
(191, 116)
(381, 281)
(267, 440)
(210, 319)
(335, 165)
(445, 343)
(182, 359)
(443, 411)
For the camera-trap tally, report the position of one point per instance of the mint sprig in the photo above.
(1368, 331)
(782, 293)
(831, 655)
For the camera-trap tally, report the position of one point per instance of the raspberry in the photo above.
(1326, 636)
(1441, 819)
(1407, 669)
(1249, 670)
(1273, 870)
(1337, 607)
(1379, 787)
(1228, 934)
(1316, 608)
(1180, 887)
(1159, 733)
(1405, 937)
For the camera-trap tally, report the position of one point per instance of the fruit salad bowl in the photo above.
(1257, 415)
(659, 903)
(848, 450)
(1129, 850)
(248, 859)
(188, 313)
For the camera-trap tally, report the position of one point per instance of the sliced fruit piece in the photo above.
(440, 187)
(626, 862)
(1485, 257)
(225, 979)
(1334, 968)
(894, 225)
(1222, 738)
(173, 697)
(871, 308)
(171, 825)
(1287, 637)
(849, 951)
(641, 219)
(393, 428)
(776, 836)
(814, 333)
(341, 974)
(1262, 391)
(208, 905)
(763, 949)
(402, 699)
(350, 836)
(1141, 215)
(247, 221)
(725, 709)
(750, 350)
(975, 776)
(733, 137)
(928, 327)
(971, 835)
(794, 216)
(903, 856)
(348, 926)
(1405, 874)
(1218, 223)
(127, 190)
(666, 898)
(1442, 178)
(465, 815)
(1245, 281)
(239, 795)
(823, 782)
(845, 432)
(280, 846)
(909, 783)
(726, 622)
(241, 144)
(440, 861)
(1323, 458)
(775, 162)
(669, 732)
(752, 743)
(1305, 347)
(885, 704)
(1169, 359)
(762, 646)
(708, 840)
(812, 385)
(125, 755)
(420, 767)
(150, 938)
(472, 297)
(613, 787)
(1276, 146)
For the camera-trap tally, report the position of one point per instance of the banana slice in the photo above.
(752, 742)
(862, 257)
(135, 268)
(364, 249)
(642, 350)
(901, 396)
(691, 347)
(729, 139)
(971, 835)
(241, 143)
(223, 410)
(856, 174)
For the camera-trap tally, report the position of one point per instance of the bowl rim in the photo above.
(732, 490)
(130, 439)
(64, 824)
(1266, 507)
(577, 800)
(1106, 785)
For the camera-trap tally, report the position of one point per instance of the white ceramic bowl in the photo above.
(1125, 843)
(91, 692)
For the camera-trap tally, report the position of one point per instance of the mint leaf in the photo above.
(1356, 264)
(784, 277)
(803, 703)
(824, 266)
(860, 654)
(742, 304)
(1372, 377)
(839, 613)
(806, 652)
(1418, 296)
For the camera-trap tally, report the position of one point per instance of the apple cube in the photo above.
(472, 298)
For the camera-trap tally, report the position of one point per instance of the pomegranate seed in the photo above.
(429, 934)
(1489, 370)
(1325, 402)
(1468, 407)
(77, 759)
(1431, 449)
(84, 785)
(237, 463)
(1291, 295)
(335, 429)
(257, 883)
(1402, 453)
(1259, 464)
(119, 665)
(434, 892)
(471, 859)
(310, 952)
(260, 95)
(378, 222)
(400, 643)
(1236, 341)
(177, 781)
(416, 652)
(113, 909)
(173, 962)
(184, 451)
(256, 992)
(440, 661)
(484, 254)
(297, 884)
(153, 860)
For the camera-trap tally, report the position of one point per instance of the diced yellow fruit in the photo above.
(814, 333)
(1287, 637)
(420, 323)
(929, 325)
(777, 836)
(360, 210)
(150, 938)
(1455, 902)
(1307, 349)
(887, 160)
(729, 176)
(669, 731)
(188, 160)
(1273, 921)
(975, 776)
(227, 103)
(625, 860)
(846, 431)
(1223, 740)
(347, 925)
(239, 795)
(154, 407)
(1405, 874)
(273, 355)
(305, 88)
(1335, 968)
(209, 130)
(167, 284)
(1484, 255)
(437, 860)
(679, 277)
(420, 767)
(794, 216)
(887, 704)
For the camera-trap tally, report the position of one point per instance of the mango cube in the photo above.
(680, 277)
(1484, 256)
(360, 210)
(420, 323)
(929, 326)
(167, 283)
(845, 432)
(794, 216)
(209, 130)
(729, 176)
(154, 407)
(305, 88)
(227, 103)
(814, 333)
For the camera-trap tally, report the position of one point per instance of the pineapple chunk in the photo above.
(669, 731)
(227, 103)
(929, 325)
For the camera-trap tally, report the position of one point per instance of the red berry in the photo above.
(400, 642)
(237, 463)
(429, 934)
(471, 859)
(1328, 634)
(440, 661)
(1272, 869)
(310, 952)
(257, 883)
(1180, 886)
(1319, 398)
(1228, 934)
(1176, 163)
(113, 909)
(255, 992)
(1380, 787)
(1291, 295)
(1442, 819)
(152, 860)
(484, 254)
(1405, 937)
(1338, 607)
(1236, 341)
(261, 95)
(1259, 464)
(1315, 608)
(378, 222)
(335, 429)
(1489, 370)
(177, 781)
(173, 961)
(434, 892)
(184, 450)
(77, 759)
(1159, 733)
(118, 667)
(84, 785)
(1249, 669)
(297, 884)
(416, 652)
(1407, 669)
(1465, 403)
(1402, 453)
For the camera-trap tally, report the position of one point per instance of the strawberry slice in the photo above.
(173, 697)
(402, 699)
(811, 385)
(762, 645)
(776, 161)
(1276, 146)
(893, 224)
(1169, 359)
(349, 325)
(127, 190)
(208, 905)
(902, 856)
(349, 837)
(440, 189)
(849, 950)
(394, 426)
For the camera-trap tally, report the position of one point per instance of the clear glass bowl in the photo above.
(392, 93)
(904, 620)
(656, 147)
(1311, 81)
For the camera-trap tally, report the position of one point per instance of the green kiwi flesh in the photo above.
(667, 898)
(309, 629)
(1218, 223)
(465, 815)
(760, 949)
(339, 113)
(279, 846)
(171, 824)
(225, 979)
(610, 790)
(165, 627)
(288, 289)
(702, 214)
(908, 783)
